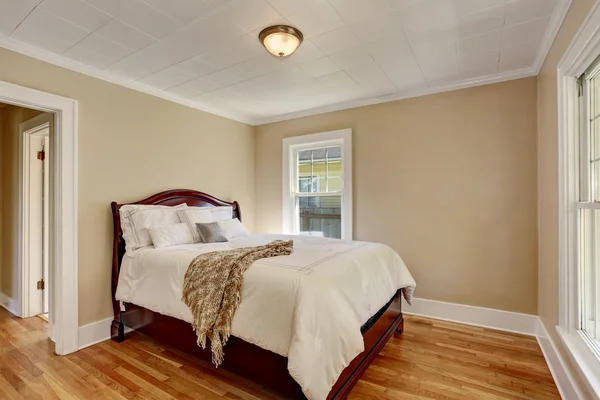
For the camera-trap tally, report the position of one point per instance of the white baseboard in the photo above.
(504, 321)
(526, 324)
(95, 332)
(10, 304)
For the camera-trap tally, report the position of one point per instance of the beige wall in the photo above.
(132, 145)
(548, 169)
(1, 189)
(12, 117)
(447, 180)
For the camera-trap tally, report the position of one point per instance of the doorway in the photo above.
(63, 244)
(35, 193)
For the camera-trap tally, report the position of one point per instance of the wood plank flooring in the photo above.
(431, 360)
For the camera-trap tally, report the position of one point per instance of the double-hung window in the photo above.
(317, 185)
(589, 206)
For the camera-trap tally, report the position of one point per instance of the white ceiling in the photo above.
(205, 53)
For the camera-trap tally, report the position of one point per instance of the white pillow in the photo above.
(193, 215)
(221, 213)
(137, 218)
(233, 228)
(170, 235)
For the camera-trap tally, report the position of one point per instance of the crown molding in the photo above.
(556, 20)
(507, 76)
(58, 60)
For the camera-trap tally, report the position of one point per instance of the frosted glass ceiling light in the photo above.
(281, 40)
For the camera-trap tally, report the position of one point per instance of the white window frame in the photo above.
(342, 137)
(584, 49)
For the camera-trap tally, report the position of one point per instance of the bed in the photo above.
(265, 362)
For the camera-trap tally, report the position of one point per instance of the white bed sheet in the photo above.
(308, 306)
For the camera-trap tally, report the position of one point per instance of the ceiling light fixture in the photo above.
(281, 40)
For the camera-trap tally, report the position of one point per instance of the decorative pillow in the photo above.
(193, 215)
(137, 218)
(170, 235)
(233, 228)
(211, 233)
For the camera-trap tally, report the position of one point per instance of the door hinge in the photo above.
(41, 155)
(41, 285)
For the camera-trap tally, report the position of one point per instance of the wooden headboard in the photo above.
(169, 198)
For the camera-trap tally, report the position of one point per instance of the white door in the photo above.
(36, 215)
(37, 228)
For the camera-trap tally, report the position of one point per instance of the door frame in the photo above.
(26, 130)
(64, 299)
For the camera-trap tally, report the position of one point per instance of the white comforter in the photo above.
(308, 306)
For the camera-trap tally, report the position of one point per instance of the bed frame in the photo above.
(242, 357)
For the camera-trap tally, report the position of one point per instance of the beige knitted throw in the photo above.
(212, 290)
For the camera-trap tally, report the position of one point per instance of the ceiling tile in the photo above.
(337, 40)
(481, 22)
(258, 66)
(128, 36)
(149, 60)
(77, 12)
(97, 51)
(207, 35)
(484, 62)
(148, 20)
(518, 11)
(224, 78)
(288, 7)
(112, 7)
(480, 43)
(517, 56)
(531, 31)
(196, 87)
(306, 52)
(355, 57)
(461, 8)
(397, 61)
(13, 12)
(319, 67)
(249, 14)
(197, 66)
(315, 19)
(359, 10)
(184, 11)
(428, 14)
(336, 80)
(168, 77)
(49, 32)
(379, 27)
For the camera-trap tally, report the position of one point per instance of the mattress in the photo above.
(308, 306)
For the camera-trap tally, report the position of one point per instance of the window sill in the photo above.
(584, 359)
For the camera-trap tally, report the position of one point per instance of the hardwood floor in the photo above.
(431, 360)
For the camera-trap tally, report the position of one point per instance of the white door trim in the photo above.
(26, 130)
(63, 244)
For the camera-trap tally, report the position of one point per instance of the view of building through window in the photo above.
(319, 192)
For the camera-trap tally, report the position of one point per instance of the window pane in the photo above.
(320, 216)
(590, 255)
(324, 166)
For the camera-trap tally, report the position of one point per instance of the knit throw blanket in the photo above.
(212, 290)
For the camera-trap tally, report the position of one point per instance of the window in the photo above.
(589, 205)
(317, 185)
